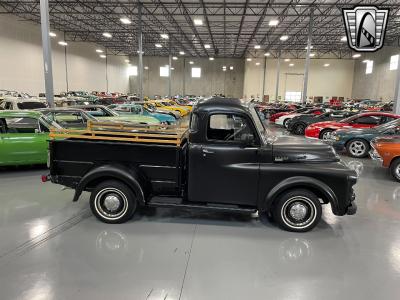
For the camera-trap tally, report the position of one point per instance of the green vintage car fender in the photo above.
(20, 143)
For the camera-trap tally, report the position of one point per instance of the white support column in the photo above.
(396, 98)
(46, 45)
(169, 72)
(278, 74)
(307, 64)
(140, 46)
(263, 81)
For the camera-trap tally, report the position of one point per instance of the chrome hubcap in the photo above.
(397, 171)
(298, 211)
(111, 202)
(357, 148)
(325, 135)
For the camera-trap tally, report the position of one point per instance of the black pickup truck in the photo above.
(228, 161)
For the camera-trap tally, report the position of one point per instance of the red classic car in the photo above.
(322, 130)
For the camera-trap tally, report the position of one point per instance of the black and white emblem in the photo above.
(365, 27)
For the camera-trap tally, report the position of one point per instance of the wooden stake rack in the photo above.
(125, 132)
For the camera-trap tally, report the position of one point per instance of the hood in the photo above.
(387, 139)
(291, 149)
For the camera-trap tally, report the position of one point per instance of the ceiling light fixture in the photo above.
(257, 63)
(326, 65)
(181, 52)
(52, 34)
(125, 21)
(291, 65)
(273, 22)
(257, 47)
(158, 45)
(198, 22)
(164, 36)
(62, 43)
(231, 68)
(356, 55)
(343, 39)
(287, 59)
(207, 46)
(284, 38)
(107, 34)
(103, 56)
(211, 58)
(248, 59)
(267, 54)
(146, 67)
(127, 60)
(310, 47)
(99, 51)
(174, 58)
(312, 54)
(190, 62)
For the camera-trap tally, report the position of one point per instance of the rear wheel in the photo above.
(357, 148)
(325, 134)
(299, 129)
(297, 210)
(395, 169)
(113, 202)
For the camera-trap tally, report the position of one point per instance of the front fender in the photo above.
(302, 182)
(112, 171)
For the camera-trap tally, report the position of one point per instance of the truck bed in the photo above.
(160, 164)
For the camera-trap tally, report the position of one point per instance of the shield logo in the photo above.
(365, 27)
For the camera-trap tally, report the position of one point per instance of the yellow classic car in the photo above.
(170, 105)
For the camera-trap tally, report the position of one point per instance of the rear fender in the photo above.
(321, 189)
(112, 171)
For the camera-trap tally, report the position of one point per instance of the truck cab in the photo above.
(227, 160)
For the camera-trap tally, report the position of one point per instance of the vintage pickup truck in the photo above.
(225, 161)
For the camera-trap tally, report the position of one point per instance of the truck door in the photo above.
(224, 169)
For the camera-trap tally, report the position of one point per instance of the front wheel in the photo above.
(395, 169)
(299, 129)
(113, 202)
(357, 148)
(297, 210)
(325, 134)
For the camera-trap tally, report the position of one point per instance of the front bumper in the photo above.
(376, 157)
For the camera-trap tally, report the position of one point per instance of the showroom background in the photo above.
(87, 71)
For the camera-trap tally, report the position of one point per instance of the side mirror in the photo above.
(247, 139)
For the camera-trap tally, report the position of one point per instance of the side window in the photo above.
(228, 127)
(68, 120)
(367, 120)
(8, 105)
(22, 125)
(386, 119)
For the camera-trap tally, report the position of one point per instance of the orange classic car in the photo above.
(386, 150)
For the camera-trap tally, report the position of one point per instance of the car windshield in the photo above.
(389, 125)
(31, 105)
(349, 119)
(262, 130)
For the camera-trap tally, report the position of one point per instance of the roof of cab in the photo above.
(220, 104)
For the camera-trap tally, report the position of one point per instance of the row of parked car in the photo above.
(358, 134)
(25, 122)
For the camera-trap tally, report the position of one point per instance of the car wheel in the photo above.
(113, 202)
(297, 210)
(395, 169)
(285, 123)
(325, 134)
(299, 129)
(357, 148)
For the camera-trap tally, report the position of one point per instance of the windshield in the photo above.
(390, 125)
(349, 119)
(262, 130)
(31, 105)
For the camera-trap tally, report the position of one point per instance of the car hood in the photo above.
(391, 139)
(291, 149)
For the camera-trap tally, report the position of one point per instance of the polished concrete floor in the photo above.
(51, 248)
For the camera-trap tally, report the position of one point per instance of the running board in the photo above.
(158, 202)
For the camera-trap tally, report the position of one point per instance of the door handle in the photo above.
(205, 151)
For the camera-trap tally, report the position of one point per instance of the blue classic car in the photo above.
(137, 109)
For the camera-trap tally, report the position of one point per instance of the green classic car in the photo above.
(23, 137)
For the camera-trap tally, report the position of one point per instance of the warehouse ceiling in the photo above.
(228, 28)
